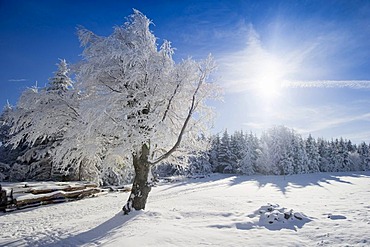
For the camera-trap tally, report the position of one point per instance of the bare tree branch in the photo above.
(170, 101)
(182, 131)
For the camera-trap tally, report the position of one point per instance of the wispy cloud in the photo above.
(17, 80)
(331, 120)
(256, 126)
(354, 84)
(335, 121)
(357, 137)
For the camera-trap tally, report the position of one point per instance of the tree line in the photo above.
(280, 151)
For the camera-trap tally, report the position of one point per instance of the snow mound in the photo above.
(274, 217)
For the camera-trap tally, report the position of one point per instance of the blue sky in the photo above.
(303, 64)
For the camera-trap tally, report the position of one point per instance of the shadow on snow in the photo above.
(91, 237)
(283, 183)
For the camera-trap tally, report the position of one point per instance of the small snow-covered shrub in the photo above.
(274, 217)
(228, 169)
(115, 171)
(167, 169)
(199, 165)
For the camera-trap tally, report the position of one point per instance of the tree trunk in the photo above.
(141, 186)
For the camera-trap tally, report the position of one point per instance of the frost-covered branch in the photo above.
(186, 122)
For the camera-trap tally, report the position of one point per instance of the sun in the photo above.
(268, 78)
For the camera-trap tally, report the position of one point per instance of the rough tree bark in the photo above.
(141, 186)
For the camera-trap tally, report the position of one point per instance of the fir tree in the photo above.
(38, 124)
(364, 152)
(61, 82)
(225, 157)
(313, 156)
(213, 152)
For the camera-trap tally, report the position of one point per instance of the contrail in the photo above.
(355, 84)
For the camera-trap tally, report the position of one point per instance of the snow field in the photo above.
(217, 211)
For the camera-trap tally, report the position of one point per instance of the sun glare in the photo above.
(268, 78)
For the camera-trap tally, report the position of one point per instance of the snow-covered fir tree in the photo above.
(264, 161)
(199, 164)
(248, 163)
(5, 123)
(6, 153)
(215, 143)
(226, 159)
(61, 81)
(339, 156)
(278, 141)
(238, 144)
(313, 156)
(38, 124)
(298, 154)
(364, 153)
(324, 158)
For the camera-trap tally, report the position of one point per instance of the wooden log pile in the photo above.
(27, 195)
(5, 198)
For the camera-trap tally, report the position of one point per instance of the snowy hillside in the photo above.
(329, 209)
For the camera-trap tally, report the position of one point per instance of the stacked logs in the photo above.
(29, 195)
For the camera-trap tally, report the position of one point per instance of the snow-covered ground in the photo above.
(217, 211)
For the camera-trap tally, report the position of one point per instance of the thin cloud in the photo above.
(256, 125)
(339, 121)
(357, 137)
(331, 120)
(17, 80)
(326, 119)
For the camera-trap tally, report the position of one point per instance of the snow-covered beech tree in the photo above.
(137, 101)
